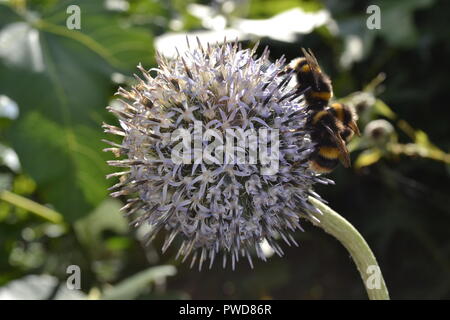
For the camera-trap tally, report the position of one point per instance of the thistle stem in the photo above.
(334, 224)
(31, 206)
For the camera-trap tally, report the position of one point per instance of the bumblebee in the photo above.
(331, 129)
(331, 125)
(347, 120)
(315, 84)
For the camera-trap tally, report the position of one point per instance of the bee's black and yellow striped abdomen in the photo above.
(325, 156)
(324, 159)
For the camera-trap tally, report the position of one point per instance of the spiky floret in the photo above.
(226, 209)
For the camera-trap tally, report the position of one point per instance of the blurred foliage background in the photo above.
(56, 82)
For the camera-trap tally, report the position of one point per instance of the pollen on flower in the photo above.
(214, 208)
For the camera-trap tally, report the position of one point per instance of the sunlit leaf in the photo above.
(23, 185)
(422, 138)
(384, 110)
(367, 158)
(118, 243)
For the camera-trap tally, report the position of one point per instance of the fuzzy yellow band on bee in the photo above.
(324, 95)
(305, 68)
(339, 111)
(319, 116)
(329, 152)
(318, 168)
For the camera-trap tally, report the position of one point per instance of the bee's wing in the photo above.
(313, 57)
(313, 64)
(340, 143)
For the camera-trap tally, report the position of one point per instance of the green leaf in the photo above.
(60, 79)
(383, 109)
(135, 285)
(105, 217)
(422, 138)
(104, 32)
(367, 158)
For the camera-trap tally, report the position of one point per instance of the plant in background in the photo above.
(226, 208)
(382, 129)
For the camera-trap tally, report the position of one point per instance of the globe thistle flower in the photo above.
(215, 208)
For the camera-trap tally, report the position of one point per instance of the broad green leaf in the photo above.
(104, 32)
(135, 285)
(60, 79)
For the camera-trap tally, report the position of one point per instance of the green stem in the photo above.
(31, 206)
(334, 224)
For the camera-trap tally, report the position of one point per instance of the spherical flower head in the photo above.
(228, 200)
